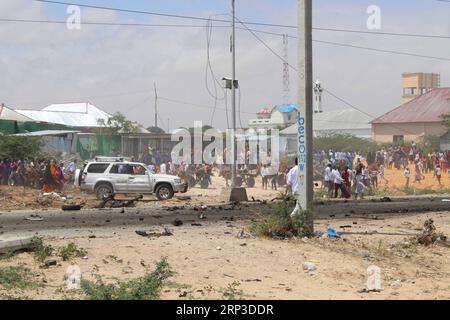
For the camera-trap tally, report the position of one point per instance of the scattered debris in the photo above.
(34, 217)
(196, 224)
(111, 202)
(386, 199)
(166, 233)
(51, 262)
(365, 290)
(396, 283)
(332, 233)
(71, 207)
(177, 222)
(184, 198)
(309, 266)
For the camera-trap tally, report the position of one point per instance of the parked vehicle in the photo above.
(111, 176)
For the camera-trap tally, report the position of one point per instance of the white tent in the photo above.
(81, 114)
(8, 114)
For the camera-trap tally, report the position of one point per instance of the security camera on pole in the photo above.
(305, 118)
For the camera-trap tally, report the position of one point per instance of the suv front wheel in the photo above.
(103, 190)
(164, 192)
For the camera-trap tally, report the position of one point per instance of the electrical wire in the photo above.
(209, 72)
(263, 32)
(325, 90)
(247, 22)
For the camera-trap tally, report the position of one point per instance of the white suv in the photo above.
(115, 176)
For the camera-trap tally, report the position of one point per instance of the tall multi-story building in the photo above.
(417, 84)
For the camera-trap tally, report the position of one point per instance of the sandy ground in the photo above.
(209, 258)
(18, 198)
(396, 180)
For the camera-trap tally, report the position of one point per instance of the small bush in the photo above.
(147, 287)
(41, 251)
(279, 224)
(17, 278)
(232, 292)
(71, 251)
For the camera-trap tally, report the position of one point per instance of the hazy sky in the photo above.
(115, 67)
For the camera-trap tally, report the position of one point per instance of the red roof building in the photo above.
(415, 119)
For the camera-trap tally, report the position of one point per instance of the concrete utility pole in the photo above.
(156, 105)
(233, 93)
(305, 112)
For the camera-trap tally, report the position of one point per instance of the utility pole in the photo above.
(305, 116)
(233, 93)
(156, 105)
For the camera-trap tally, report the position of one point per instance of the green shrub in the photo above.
(17, 278)
(71, 251)
(279, 224)
(147, 287)
(41, 251)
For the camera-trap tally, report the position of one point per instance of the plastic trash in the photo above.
(332, 233)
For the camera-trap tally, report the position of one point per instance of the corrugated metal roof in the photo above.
(339, 120)
(11, 115)
(45, 133)
(69, 114)
(425, 108)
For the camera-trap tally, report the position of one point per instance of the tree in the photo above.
(116, 124)
(15, 147)
(446, 120)
(344, 143)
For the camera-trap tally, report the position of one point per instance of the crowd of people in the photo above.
(347, 173)
(48, 175)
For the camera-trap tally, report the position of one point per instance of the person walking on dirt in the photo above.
(292, 178)
(381, 174)
(360, 187)
(407, 175)
(328, 183)
(418, 173)
(438, 174)
(337, 182)
(264, 174)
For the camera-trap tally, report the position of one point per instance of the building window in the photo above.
(409, 91)
(398, 139)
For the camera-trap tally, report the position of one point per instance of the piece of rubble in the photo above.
(51, 262)
(177, 222)
(309, 266)
(13, 244)
(34, 217)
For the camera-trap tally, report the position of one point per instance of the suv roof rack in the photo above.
(112, 159)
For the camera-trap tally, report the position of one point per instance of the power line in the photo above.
(247, 29)
(382, 50)
(195, 105)
(326, 90)
(398, 34)
(161, 14)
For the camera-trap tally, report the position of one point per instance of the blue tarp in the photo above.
(287, 108)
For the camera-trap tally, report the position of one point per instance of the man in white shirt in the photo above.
(292, 178)
(162, 168)
(337, 181)
(329, 185)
